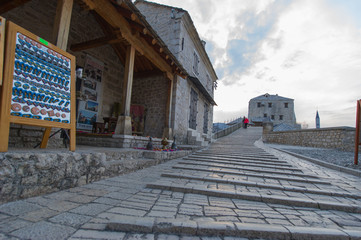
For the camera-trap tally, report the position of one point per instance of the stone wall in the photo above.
(180, 109)
(342, 138)
(152, 92)
(227, 131)
(27, 173)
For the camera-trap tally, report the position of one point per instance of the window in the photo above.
(258, 104)
(281, 117)
(195, 63)
(286, 105)
(269, 104)
(265, 115)
(273, 117)
(182, 44)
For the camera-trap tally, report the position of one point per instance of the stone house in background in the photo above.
(171, 78)
(280, 110)
(192, 105)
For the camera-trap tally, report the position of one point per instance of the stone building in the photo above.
(193, 98)
(280, 110)
(139, 67)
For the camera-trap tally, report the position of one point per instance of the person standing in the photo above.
(245, 121)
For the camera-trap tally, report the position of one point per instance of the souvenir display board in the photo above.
(39, 84)
(357, 134)
(2, 42)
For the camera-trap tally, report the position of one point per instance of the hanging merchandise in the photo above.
(39, 84)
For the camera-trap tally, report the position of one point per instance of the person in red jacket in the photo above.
(245, 121)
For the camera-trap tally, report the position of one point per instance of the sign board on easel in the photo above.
(2, 43)
(38, 87)
(357, 133)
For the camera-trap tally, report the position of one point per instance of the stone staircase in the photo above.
(234, 189)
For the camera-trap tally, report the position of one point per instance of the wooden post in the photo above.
(5, 102)
(167, 132)
(61, 35)
(128, 80)
(124, 125)
(2, 44)
(357, 133)
(62, 23)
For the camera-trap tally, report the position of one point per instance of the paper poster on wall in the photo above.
(91, 89)
(41, 82)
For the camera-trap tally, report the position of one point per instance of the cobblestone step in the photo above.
(239, 163)
(261, 185)
(245, 172)
(238, 154)
(258, 169)
(243, 160)
(226, 229)
(259, 158)
(274, 199)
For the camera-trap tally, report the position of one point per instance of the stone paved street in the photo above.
(238, 188)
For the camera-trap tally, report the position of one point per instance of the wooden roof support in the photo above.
(94, 43)
(107, 11)
(62, 23)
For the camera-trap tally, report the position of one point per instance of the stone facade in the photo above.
(152, 93)
(176, 29)
(278, 109)
(342, 138)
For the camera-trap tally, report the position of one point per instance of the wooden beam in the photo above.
(94, 43)
(154, 41)
(62, 23)
(128, 81)
(107, 11)
(109, 30)
(7, 5)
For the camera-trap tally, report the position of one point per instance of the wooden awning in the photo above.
(123, 25)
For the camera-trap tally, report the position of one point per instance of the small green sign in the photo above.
(43, 41)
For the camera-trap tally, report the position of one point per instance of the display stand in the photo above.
(38, 87)
(2, 43)
(357, 133)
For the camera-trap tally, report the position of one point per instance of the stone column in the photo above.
(267, 128)
(124, 124)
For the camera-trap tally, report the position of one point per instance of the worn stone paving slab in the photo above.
(232, 164)
(244, 163)
(260, 185)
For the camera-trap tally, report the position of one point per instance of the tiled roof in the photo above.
(269, 97)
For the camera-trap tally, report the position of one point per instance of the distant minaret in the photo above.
(317, 120)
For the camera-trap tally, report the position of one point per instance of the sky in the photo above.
(307, 50)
